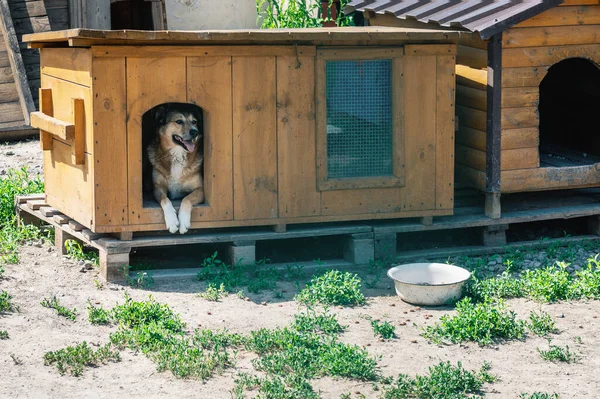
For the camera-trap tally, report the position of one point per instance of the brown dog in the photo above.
(176, 158)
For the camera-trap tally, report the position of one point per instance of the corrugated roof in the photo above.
(487, 17)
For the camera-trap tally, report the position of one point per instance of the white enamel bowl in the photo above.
(430, 284)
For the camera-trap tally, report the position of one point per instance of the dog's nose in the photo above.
(194, 133)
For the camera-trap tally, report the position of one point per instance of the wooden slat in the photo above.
(142, 78)
(522, 158)
(61, 219)
(470, 177)
(470, 97)
(579, 2)
(471, 117)
(444, 144)
(36, 204)
(297, 186)
(75, 226)
(48, 211)
(72, 64)
(471, 77)
(79, 133)
(201, 51)
(16, 62)
(11, 112)
(8, 93)
(511, 97)
(523, 77)
(47, 108)
(521, 117)
(551, 36)
(209, 87)
(471, 57)
(548, 55)
(541, 179)
(254, 138)
(430, 49)
(26, 9)
(561, 16)
(511, 138)
(56, 127)
(420, 98)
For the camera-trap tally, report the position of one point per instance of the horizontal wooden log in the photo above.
(471, 97)
(541, 179)
(471, 77)
(551, 36)
(430, 49)
(35, 204)
(521, 158)
(561, 16)
(471, 57)
(11, 112)
(520, 117)
(63, 130)
(523, 77)
(470, 177)
(471, 117)
(8, 92)
(511, 138)
(548, 55)
(6, 75)
(511, 97)
(473, 40)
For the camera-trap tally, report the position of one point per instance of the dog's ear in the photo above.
(160, 115)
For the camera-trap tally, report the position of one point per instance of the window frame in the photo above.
(397, 178)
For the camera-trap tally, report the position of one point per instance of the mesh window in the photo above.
(359, 118)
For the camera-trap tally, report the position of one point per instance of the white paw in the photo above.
(184, 220)
(171, 219)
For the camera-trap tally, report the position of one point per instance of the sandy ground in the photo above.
(35, 330)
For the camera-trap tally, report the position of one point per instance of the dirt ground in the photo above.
(35, 330)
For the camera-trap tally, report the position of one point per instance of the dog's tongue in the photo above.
(188, 145)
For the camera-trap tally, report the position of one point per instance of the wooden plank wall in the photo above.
(11, 114)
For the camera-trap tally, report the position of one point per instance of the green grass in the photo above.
(383, 330)
(539, 395)
(98, 315)
(274, 387)
(333, 288)
(74, 359)
(214, 294)
(142, 279)
(297, 14)
(54, 303)
(558, 354)
(3, 334)
(76, 251)
(484, 323)
(444, 381)
(541, 324)
(311, 321)
(6, 304)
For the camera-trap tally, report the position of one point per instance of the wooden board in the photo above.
(11, 112)
(551, 178)
(547, 56)
(551, 36)
(68, 186)
(521, 117)
(511, 138)
(471, 57)
(471, 97)
(201, 51)
(297, 185)
(110, 147)
(149, 91)
(254, 138)
(522, 158)
(562, 16)
(523, 77)
(511, 97)
(209, 87)
(444, 144)
(471, 117)
(74, 65)
(8, 93)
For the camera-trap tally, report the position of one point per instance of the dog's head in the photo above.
(179, 127)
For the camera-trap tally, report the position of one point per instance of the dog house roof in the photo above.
(487, 17)
(312, 36)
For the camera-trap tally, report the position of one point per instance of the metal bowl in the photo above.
(430, 284)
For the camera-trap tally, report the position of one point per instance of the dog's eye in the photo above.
(179, 122)
(194, 123)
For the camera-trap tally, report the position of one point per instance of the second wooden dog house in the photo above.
(301, 126)
(528, 90)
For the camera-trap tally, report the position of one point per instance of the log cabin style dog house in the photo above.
(300, 126)
(528, 90)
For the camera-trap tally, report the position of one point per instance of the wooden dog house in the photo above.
(289, 121)
(528, 90)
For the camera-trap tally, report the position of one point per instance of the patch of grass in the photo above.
(98, 315)
(484, 323)
(539, 395)
(311, 321)
(384, 329)
(4, 334)
(54, 303)
(6, 304)
(444, 381)
(73, 359)
(333, 288)
(213, 293)
(558, 354)
(274, 387)
(76, 251)
(141, 279)
(298, 14)
(293, 272)
(541, 324)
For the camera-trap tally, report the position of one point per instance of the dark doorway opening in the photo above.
(131, 14)
(569, 112)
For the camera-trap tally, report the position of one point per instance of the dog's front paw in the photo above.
(171, 219)
(184, 220)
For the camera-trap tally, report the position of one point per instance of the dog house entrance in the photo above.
(569, 114)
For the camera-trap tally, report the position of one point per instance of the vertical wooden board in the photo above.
(297, 184)
(63, 93)
(444, 147)
(420, 100)
(254, 138)
(68, 187)
(150, 82)
(110, 144)
(209, 87)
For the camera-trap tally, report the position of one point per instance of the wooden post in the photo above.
(60, 237)
(46, 108)
(78, 155)
(493, 127)
(114, 264)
